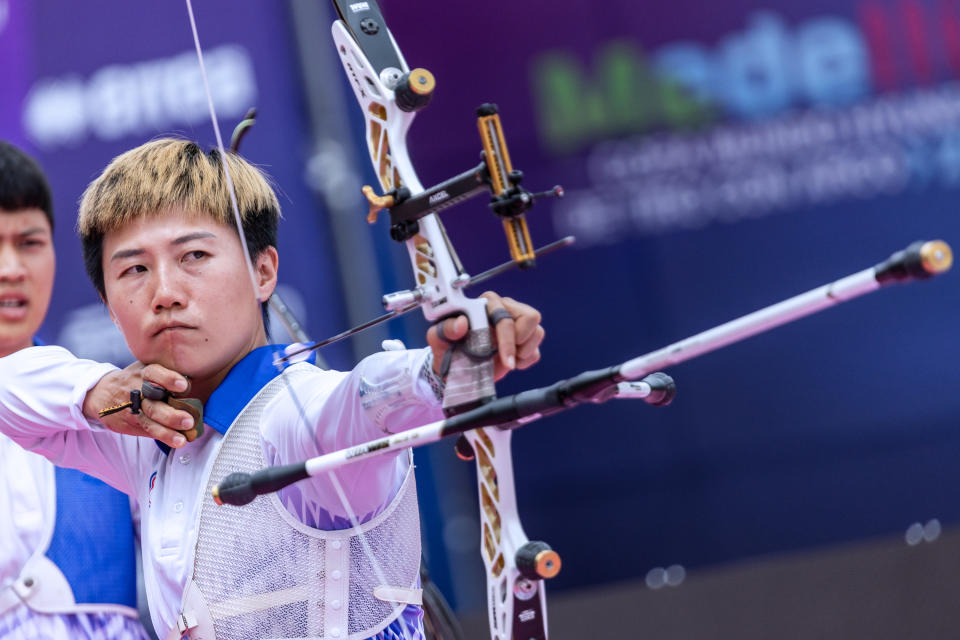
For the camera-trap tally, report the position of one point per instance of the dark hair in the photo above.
(22, 182)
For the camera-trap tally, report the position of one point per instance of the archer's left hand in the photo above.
(517, 336)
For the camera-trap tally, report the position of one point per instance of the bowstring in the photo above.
(223, 155)
(409, 634)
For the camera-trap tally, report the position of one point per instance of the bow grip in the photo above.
(469, 377)
(469, 380)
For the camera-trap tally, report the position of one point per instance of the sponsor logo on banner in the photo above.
(771, 118)
(139, 98)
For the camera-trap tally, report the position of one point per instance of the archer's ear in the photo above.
(266, 266)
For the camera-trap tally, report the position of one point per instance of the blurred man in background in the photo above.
(67, 565)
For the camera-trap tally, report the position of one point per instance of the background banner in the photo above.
(715, 162)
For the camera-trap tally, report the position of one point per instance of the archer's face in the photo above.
(177, 286)
(27, 266)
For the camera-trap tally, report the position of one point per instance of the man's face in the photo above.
(178, 288)
(27, 266)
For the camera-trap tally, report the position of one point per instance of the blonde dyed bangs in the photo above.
(171, 175)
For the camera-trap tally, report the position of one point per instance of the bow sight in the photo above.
(509, 199)
(413, 91)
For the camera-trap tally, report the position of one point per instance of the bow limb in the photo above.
(408, 632)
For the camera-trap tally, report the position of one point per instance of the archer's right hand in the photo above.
(156, 420)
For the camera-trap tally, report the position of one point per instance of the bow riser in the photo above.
(435, 264)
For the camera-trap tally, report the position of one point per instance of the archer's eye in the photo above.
(193, 256)
(135, 269)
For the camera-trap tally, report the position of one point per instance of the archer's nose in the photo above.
(12, 268)
(169, 291)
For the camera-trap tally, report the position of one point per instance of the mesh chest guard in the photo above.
(264, 574)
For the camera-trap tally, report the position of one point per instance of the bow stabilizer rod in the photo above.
(920, 261)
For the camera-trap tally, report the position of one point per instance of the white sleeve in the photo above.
(386, 393)
(42, 390)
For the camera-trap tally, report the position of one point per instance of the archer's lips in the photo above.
(172, 328)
